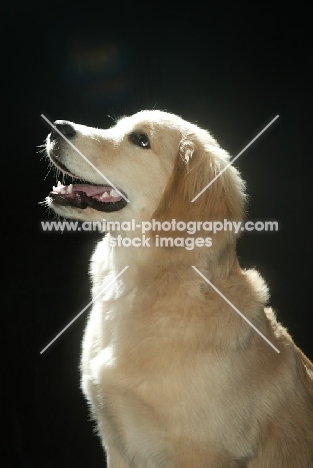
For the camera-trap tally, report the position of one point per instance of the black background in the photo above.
(230, 69)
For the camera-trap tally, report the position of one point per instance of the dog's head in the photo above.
(151, 165)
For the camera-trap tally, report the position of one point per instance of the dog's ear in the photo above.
(196, 165)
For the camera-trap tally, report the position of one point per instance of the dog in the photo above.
(174, 376)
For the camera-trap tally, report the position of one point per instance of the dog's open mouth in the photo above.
(98, 197)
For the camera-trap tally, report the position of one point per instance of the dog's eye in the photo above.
(139, 139)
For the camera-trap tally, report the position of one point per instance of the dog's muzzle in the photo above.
(86, 194)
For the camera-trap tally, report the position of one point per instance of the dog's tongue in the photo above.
(92, 190)
(99, 192)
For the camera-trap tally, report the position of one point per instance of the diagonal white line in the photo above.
(234, 159)
(237, 310)
(84, 157)
(85, 308)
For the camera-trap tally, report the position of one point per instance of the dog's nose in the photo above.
(64, 127)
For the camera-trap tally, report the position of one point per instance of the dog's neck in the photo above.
(148, 258)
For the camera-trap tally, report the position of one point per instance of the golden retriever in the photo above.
(174, 376)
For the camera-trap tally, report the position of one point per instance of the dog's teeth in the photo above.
(59, 184)
(114, 193)
(70, 189)
(54, 189)
(105, 195)
(63, 191)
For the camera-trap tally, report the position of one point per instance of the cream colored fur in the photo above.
(174, 376)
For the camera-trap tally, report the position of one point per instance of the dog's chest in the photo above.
(140, 358)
